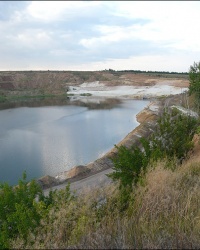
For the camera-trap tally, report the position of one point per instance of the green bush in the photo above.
(23, 207)
(172, 138)
(18, 212)
(128, 163)
(194, 87)
(194, 78)
(173, 135)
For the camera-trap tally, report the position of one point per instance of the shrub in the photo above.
(194, 78)
(173, 135)
(18, 212)
(129, 162)
(172, 138)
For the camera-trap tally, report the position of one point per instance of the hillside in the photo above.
(36, 83)
(162, 213)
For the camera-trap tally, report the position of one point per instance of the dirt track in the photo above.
(91, 182)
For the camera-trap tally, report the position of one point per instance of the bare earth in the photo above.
(102, 89)
(88, 183)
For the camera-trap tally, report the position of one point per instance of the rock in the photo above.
(47, 181)
(78, 171)
(146, 116)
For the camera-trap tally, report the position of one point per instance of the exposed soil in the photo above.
(18, 83)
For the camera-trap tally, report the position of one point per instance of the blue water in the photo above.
(52, 139)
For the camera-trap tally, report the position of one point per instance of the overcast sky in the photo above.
(97, 35)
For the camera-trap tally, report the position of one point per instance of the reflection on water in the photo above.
(50, 139)
(89, 102)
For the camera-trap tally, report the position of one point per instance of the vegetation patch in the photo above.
(85, 94)
(3, 98)
(167, 141)
(162, 213)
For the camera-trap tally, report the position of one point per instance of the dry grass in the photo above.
(168, 215)
(163, 214)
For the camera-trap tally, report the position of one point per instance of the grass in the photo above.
(2, 98)
(24, 97)
(30, 96)
(163, 212)
(85, 94)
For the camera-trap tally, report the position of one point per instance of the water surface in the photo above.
(48, 140)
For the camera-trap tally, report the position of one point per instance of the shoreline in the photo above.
(160, 96)
(84, 173)
(78, 86)
(147, 120)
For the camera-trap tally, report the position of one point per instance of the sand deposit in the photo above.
(162, 88)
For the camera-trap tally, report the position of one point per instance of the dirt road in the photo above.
(94, 181)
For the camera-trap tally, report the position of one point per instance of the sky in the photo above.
(99, 35)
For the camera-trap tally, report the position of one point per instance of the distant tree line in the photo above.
(145, 71)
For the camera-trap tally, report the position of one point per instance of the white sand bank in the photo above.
(99, 89)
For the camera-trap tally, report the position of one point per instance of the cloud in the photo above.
(173, 62)
(60, 34)
(172, 23)
(59, 10)
(10, 9)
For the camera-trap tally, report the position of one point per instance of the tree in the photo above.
(18, 213)
(173, 135)
(24, 206)
(172, 138)
(194, 78)
(128, 163)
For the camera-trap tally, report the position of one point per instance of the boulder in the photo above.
(47, 181)
(78, 171)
